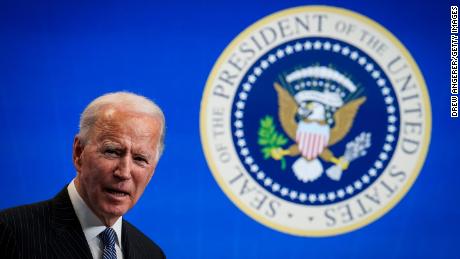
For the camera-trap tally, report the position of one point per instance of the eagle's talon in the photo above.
(342, 162)
(278, 153)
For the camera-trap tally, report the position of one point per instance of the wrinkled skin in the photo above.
(117, 161)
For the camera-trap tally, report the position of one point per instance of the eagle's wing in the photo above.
(286, 111)
(343, 118)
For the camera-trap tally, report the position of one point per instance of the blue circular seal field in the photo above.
(257, 99)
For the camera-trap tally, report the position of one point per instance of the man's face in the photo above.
(117, 162)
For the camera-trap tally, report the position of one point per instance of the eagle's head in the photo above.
(312, 111)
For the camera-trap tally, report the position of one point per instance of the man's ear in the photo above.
(77, 152)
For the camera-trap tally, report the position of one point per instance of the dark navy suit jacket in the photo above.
(51, 229)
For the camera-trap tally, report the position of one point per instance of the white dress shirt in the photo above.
(92, 226)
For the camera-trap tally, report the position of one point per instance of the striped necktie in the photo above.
(108, 237)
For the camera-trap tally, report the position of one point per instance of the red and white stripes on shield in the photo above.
(311, 141)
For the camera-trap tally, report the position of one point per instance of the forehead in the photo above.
(119, 122)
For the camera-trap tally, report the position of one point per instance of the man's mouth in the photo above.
(117, 192)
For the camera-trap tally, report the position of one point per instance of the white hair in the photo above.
(126, 100)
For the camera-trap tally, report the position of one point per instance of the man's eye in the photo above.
(140, 159)
(111, 152)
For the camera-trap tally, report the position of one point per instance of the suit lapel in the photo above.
(129, 252)
(70, 241)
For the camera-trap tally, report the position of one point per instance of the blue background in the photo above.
(56, 56)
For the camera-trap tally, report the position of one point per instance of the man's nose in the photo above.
(124, 168)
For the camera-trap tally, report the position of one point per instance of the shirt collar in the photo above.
(92, 226)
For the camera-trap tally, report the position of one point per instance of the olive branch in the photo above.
(270, 139)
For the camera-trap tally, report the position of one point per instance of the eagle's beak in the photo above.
(309, 108)
(309, 111)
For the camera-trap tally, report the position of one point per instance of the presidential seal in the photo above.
(315, 121)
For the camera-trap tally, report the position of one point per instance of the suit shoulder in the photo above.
(22, 214)
(143, 243)
(20, 227)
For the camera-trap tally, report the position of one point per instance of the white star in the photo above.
(312, 198)
(307, 45)
(387, 147)
(322, 197)
(358, 185)
(336, 47)
(244, 152)
(284, 191)
(383, 156)
(385, 91)
(331, 196)
(241, 142)
(240, 105)
(378, 164)
(354, 55)
(289, 49)
(391, 109)
(392, 119)
(391, 128)
(302, 197)
(249, 160)
(372, 172)
(238, 124)
(243, 96)
(298, 47)
(390, 138)
(239, 114)
(365, 179)
(381, 82)
(239, 134)
(362, 60)
(275, 187)
(388, 100)
(246, 87)
(271, 58)
(317, 45)
(257, 71)
(264, 64)
(369, 67)
(268, 182)
(254, 168)
(280, 53)
(341, 193)
(375, 74)
(260, 175)
(345, 51)
(252, 78)
(293, 195)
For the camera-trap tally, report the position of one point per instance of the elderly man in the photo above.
(115, 154)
